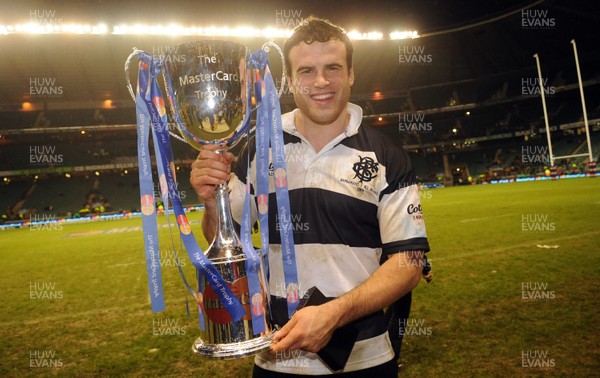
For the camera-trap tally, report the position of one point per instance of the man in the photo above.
(355, 196)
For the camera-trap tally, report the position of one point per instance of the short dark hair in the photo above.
(315, 29)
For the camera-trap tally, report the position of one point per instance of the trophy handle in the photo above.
(267, 48)
(135, 53)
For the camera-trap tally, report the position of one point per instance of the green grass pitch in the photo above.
(515, 293)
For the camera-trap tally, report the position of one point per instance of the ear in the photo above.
(351, 76)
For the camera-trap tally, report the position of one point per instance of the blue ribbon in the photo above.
(269, 128)
(288, 251)
(149, 225)
(164, 194)
(253, 262)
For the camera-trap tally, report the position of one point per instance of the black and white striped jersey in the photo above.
(352, 202)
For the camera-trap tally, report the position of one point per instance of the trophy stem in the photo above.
(226, 244)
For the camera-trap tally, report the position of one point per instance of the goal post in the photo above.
(553, 158)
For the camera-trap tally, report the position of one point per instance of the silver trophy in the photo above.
(207, 87)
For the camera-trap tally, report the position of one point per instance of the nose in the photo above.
(321, 80)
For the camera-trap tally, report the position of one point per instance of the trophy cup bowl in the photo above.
(208, 88)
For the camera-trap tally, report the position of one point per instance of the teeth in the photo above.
(323, 96)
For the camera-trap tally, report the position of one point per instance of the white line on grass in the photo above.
(124, 264)
(484, 218)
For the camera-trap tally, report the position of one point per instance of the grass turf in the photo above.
(75, 296)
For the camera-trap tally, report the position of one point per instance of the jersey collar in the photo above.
(353, 110)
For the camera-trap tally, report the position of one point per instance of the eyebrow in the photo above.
(330, 65)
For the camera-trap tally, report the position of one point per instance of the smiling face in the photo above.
(322, 80)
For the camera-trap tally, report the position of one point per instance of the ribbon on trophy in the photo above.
(149, 225)
(269, 129)
(252, 257)
(150, 106)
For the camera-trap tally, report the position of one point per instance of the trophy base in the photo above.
(233, 350)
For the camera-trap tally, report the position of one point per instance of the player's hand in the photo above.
(309, 329)
(209, 170)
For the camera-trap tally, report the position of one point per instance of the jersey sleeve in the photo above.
(400, 213)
